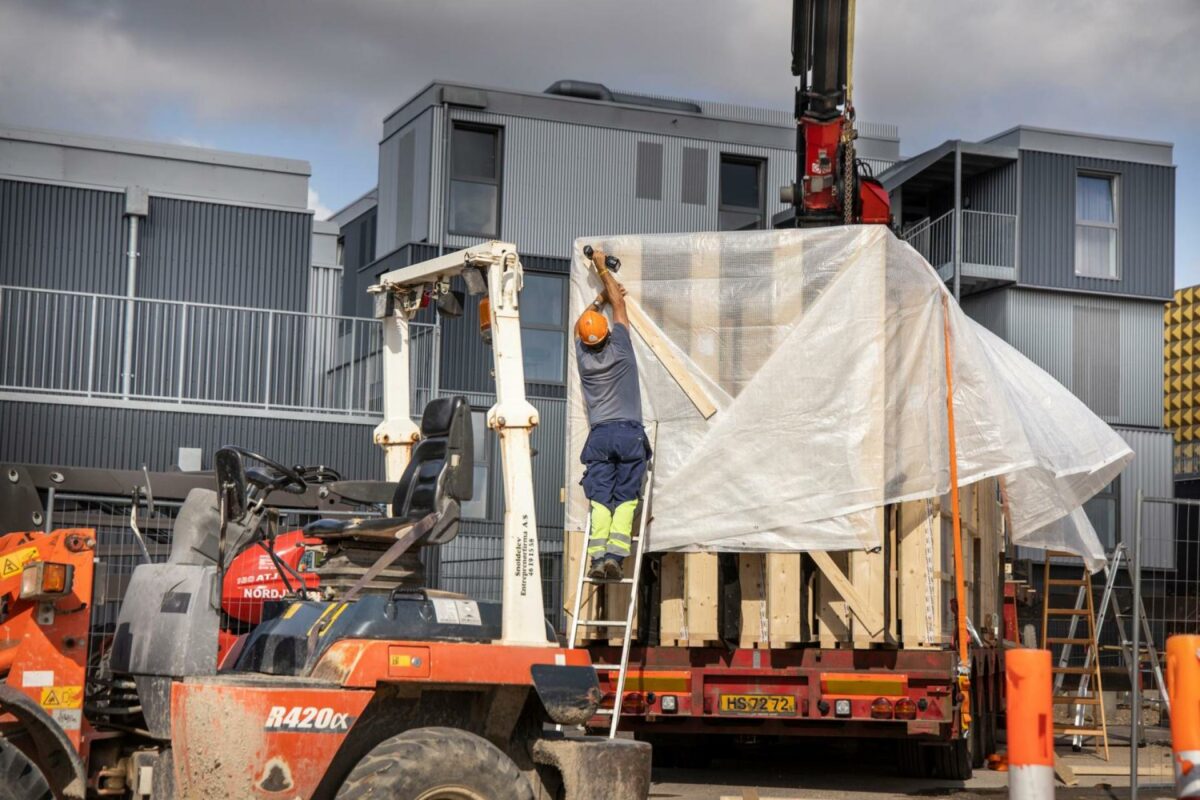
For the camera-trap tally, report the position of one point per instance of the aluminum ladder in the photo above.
(633, 582)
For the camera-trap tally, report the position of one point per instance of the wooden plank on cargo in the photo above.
(672, 609)
(752, 583)
(784, 590)
(670, 360)
(702, 588)
(868, 616)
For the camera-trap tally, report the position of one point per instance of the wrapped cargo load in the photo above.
(797, 381)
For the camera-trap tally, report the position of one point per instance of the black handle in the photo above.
(610, 262)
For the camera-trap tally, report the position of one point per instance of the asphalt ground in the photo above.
(847, 770)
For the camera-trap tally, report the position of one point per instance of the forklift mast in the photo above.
(829, 189)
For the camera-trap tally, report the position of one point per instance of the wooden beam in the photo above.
(669, 359)
(869, 617)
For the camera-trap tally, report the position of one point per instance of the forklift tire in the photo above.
(19, 778)
(436, 764)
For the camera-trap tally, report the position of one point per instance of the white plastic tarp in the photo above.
(795, 380)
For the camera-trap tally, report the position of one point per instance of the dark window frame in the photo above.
(1114, 183)
(498, 131)
(760, 164)
(561, 328)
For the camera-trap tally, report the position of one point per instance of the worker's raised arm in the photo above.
(614, 291)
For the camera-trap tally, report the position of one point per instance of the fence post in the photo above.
(267, 368)
(92, 348)
(1183, 682)
(1030, 719)
(183, 319)
(1135, 720)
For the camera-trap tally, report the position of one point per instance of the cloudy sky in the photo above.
(312, 79)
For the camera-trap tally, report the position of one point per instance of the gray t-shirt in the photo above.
(609, 377)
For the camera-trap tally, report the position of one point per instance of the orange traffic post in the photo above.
(1183, 684)
(1030, 724)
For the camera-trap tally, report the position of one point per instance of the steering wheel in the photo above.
(277, 476)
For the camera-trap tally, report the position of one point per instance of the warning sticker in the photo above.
(62, 697)
(69, 719)
(456, 612)
(14, 562)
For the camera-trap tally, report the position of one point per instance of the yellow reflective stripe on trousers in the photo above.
(601, 524)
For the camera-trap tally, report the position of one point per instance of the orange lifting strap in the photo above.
(960, 586)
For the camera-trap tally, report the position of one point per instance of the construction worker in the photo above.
(616, 450)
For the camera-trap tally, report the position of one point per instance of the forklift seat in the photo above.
(439, 476)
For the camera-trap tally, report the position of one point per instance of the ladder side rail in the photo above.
(579, 583)
(631, 609)
(1111, 571)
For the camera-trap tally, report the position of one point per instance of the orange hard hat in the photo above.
(592, 328)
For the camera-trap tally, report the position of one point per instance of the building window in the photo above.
(543, 327)
(1096, 226)
(743, 201)
(475, 170)
(477, 507)
(1104, 512)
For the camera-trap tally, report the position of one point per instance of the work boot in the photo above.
(612, 567)
(596, 570)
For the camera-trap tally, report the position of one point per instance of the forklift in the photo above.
(341, 690)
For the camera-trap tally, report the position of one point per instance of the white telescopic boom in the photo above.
(496, 266)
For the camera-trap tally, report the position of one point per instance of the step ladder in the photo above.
(633, 582)
(1110, 601)
(1088, 700)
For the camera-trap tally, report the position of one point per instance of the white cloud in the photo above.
(320, 210)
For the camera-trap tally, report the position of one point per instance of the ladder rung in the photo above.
(1065, 640)
(608, 580)
(602, 623)
(604, 712)
(1074, 670)
(1076, 700)
(1066, 582)
(606, 666)
(1073, 731)
(1079, 612)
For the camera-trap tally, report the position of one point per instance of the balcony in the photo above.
(112, 350)
(989, 245)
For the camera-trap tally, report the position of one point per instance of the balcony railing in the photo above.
(989, 239)
(934, 239)
(70, 343)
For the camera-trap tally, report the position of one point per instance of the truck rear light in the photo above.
(881, 708)
(608, 700)
(634, 703)
(670, 703)
(905, 708)
(42, 580)
(841, 708)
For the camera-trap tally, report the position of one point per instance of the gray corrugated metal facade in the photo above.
(1146, 239)
(1151, 471)
(61, 237)
(225, 254)
(127, 438)
(546, 164)
(1043, 326)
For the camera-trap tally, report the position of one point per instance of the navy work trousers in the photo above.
(614, 458)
